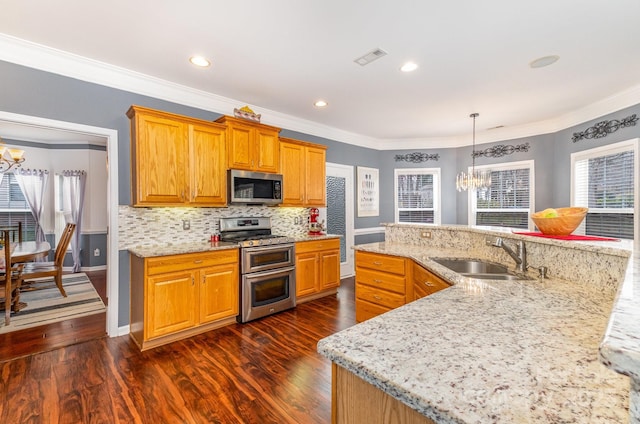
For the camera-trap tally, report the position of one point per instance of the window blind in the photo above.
(507, 202)
(14, 207)
(605, 184)
(415, 200)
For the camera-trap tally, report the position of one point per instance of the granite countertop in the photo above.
(149, 251)
(166, 249)
(487, 351)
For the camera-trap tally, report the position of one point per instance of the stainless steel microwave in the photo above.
(254, 188)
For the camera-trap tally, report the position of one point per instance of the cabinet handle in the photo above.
(203, 280)
(377, 281)
(428, 284)
(376, 297)
(193, 281)
(377, 263)
(198, 261)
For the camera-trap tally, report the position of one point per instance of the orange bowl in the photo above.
(565, 223)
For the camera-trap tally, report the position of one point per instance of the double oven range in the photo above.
(267, 266)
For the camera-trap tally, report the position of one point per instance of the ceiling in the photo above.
(280, 56)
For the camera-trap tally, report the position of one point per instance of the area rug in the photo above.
(45, 304)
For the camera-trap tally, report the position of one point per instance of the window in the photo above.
(417, 195)
(603, 180)
(14, 207)
(509, 201)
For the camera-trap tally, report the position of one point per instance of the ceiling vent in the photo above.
(370, 57)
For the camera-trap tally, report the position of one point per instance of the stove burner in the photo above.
(248, 232)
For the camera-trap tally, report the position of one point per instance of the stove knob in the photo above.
(250, 242)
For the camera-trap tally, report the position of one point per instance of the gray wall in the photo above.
(31, 92)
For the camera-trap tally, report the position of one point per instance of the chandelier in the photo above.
(474, 180)
(10, 157)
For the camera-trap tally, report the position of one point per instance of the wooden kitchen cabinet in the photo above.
(176, 160)
(381, 284)
(177, 296)
(317, 269)
(251, 146)
(303, 170)
(425, 282)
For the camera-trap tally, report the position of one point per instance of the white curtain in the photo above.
(33, 183)
(73, 184)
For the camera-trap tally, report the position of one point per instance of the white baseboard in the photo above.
(122, 331)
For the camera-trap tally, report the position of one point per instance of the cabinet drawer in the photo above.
(425, 282)
(172, 263)
(317, 245)
(382, 280)
(386, 263)
(366, 310)
(379, 297)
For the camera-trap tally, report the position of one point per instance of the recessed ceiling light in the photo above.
(320, 103)
(409, 67)
(544, 61)
(199, 61)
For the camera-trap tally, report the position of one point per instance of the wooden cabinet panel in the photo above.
(307, 269)
(366, 310)
(317, 268)
(219, 292)
(176, 160)
(425, 282)
(385, 263)
(171, 300)
(159, 160)
(316, 186)
(252, 146)
(177, 296)
(303, 169)
(382, 280)
(292, 168)
(208, 170)
(379, 297)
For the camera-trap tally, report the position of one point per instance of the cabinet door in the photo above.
(316, 191)
(292, 167)
(219, 287)
(161, 161)
(330, 269)
(170, 303)
(307, 274)
(208, 165)
(266, 150)
(239, 144)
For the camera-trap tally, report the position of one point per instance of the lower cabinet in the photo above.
(177, 296)
(385, 282)
(317, 268)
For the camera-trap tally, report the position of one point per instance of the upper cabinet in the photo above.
(176, 160)
(302, 166)
(251, 146)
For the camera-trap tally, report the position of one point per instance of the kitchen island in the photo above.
(486, 351)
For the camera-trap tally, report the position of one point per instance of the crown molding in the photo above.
(37, 56)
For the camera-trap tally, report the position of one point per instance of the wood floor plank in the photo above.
(265, 371)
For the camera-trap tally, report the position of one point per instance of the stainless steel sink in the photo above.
(475, 268)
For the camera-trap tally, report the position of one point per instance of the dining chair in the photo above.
(11, 279)
(51, 269)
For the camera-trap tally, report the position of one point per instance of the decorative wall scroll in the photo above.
(501, 150)
(604, 128)
(368, 191)
(417, 157)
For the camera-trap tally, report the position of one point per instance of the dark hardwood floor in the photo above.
(53, 336)
(265, 371)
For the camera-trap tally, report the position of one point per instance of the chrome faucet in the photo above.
(520, 255)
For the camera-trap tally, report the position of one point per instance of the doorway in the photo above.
(339, 212)
(25, 127)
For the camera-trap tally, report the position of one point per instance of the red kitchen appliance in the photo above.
(315, 227)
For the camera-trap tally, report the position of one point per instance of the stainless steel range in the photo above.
(267, 266)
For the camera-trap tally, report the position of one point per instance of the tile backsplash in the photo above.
(149, 226)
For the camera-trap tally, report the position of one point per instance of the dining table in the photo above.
(28, 251)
